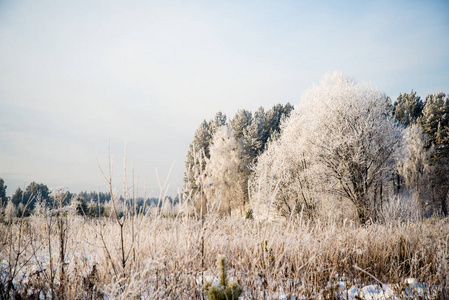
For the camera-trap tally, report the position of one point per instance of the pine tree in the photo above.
(408, 108)
(254, 136)
(3, 199)
(274, 118)
(218, 121)
(35, 192)
(80, 206)
(242, 119)
(17, 197)
(435, 117)
(435, 121)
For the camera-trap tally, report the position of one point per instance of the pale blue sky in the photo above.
(73, 73)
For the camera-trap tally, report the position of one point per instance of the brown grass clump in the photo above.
(173, 258)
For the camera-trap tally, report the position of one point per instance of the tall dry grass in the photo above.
(172, 258)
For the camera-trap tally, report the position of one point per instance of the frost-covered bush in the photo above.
(10, 211)
(404, 207)
(341, 141)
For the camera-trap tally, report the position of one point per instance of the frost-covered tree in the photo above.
(340, 141)
(282, 182)
(198, 152)
(242, 119)
(224, 177)
(196, 155)
(252, 131)
(408, 108)
(218, 121)
(414, 165)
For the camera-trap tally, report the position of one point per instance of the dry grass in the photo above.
(167, 258)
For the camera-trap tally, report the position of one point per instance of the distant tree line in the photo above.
(89, 204)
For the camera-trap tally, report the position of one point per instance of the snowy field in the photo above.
(168, 257)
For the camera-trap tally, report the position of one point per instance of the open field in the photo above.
(172, 258)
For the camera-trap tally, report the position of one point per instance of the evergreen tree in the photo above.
(408, 108)
(94, 196)
(218, 121)
(27, 199)
(255, 133)
(242, 119)
(435, 121)
(265, 126)
(17, 197)
(253, 136)
(36, 192)
(274, 118)
(80, 206)
(3, 199)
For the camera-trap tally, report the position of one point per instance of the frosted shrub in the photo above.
(404, 207)
(167, 208)
(39, 209)
(10, 211)
(264, 189)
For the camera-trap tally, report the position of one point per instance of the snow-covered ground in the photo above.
(413, 290)
(410, 289)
